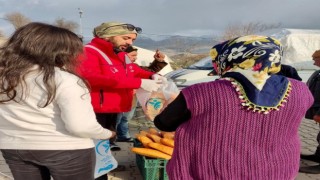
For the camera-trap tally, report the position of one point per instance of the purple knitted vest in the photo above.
(224, 141)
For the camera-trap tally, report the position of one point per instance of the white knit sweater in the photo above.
(67, 123)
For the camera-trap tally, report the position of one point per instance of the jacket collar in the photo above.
(105, 47)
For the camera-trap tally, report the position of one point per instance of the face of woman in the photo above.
(133, 56)
(316, 61)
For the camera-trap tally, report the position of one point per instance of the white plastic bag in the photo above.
(154, 102)
(170, 91)
(105, 162)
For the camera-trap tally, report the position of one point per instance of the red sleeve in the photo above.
(142, 73)
(139, 72)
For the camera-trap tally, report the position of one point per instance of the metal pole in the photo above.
(80, 13)
(4, 19)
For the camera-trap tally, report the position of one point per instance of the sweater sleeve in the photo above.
(173, 115)
(77, 112)
(155, 66)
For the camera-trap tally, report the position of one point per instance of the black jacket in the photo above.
(289, 71)
(314, 86)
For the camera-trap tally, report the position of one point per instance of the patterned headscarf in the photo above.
(249, 62)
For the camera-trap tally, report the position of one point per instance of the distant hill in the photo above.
(177, 44)
(179, 48)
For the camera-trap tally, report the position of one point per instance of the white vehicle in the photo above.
(299, 45)
(195, 73)
(201, 71)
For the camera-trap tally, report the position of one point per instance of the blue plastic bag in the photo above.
(105, 162)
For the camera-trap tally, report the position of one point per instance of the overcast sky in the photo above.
(169, 17)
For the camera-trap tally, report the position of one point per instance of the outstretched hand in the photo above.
(159, 56)
(316, 118)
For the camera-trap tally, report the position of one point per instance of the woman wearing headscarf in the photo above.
(243, 125)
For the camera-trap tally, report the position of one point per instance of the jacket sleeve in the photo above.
(77, 112)
(142, 73)
(90, 70)
(139, 72)
(155, 66)
(173, 115)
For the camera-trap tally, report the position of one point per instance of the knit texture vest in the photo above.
(224, 141)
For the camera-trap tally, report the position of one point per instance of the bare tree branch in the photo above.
(70, 25)
(1, 34)
(235, 30)
(17, 19)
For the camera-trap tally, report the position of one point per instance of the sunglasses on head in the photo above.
(130, 27)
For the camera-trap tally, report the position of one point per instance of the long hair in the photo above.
(40, 44)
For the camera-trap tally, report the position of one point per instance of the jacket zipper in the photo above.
(101, 98)
(101, 91)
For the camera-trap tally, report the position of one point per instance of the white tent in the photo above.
(299, 44)
(145, 57)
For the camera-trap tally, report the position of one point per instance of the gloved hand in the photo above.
(159, 78)
(150, 85)
(156, 77)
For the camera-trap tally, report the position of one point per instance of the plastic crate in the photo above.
(151, 168)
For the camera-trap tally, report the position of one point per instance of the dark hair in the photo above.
(40, 44)
(130, 49)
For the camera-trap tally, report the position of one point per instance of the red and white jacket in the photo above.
(112, 84)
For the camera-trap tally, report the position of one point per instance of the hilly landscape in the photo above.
(183, 50)
(177, 44)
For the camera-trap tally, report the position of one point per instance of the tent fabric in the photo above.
(298, 44)
(145, 57)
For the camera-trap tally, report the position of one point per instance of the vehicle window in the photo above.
(202, 64)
